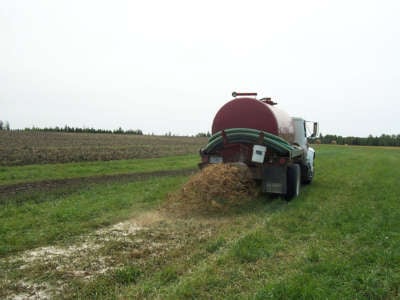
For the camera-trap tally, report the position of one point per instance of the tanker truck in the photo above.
(272, 144)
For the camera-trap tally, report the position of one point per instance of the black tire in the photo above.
(307, 174)
(293, 181)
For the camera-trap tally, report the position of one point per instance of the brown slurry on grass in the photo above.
(92, 255)
(215, 188)
(143, 241)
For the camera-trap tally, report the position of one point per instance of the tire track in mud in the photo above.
(48, 185)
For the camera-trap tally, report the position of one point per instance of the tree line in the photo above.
(67, 128)
(382, 140)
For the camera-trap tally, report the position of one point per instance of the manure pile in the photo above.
(215, 188)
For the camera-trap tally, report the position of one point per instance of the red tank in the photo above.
(254, 114)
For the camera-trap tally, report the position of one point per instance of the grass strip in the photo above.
(32, 173)
(49, 217)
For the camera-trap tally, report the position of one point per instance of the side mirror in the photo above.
(315, 130)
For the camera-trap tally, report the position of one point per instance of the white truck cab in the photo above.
(300, 130)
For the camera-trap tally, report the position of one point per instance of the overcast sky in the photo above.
(168, 66)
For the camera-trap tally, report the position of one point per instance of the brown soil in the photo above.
(33, 147)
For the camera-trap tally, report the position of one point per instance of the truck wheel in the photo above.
(308, 175)
(293, 181)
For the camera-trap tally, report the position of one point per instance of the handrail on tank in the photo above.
(235, 94)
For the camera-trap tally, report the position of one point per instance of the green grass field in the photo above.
(339, 240)
(33, 173)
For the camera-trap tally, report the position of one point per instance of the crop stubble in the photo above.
(23, 148)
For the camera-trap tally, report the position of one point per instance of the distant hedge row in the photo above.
(383, 140)
(85, 130)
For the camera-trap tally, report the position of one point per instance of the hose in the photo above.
(250, 136)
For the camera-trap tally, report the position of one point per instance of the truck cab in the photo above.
(301, 139)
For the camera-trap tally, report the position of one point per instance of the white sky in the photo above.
(165, 66)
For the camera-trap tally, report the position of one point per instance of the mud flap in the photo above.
(274, 180)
